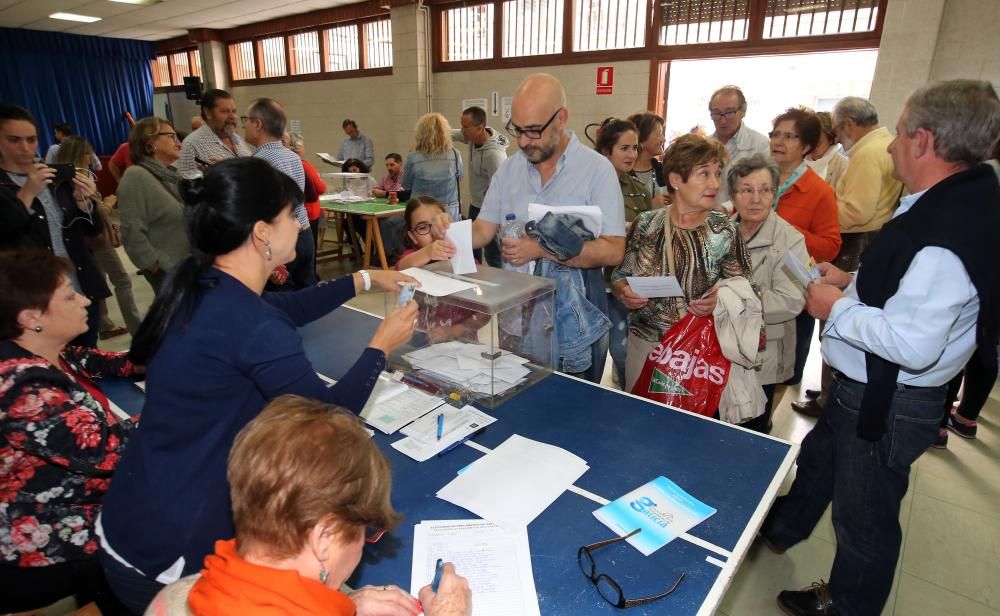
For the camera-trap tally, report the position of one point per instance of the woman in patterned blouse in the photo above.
(706, 247)
(60, 443)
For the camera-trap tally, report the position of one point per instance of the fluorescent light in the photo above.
(136, 1)
(87, 19)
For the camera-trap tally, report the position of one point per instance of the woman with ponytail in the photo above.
(217, 350)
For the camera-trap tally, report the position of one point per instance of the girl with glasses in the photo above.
(421, 248)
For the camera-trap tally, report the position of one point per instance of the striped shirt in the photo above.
(206, 145)
(289, 163)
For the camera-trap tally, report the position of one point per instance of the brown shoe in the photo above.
(809, 408)
(113, 333)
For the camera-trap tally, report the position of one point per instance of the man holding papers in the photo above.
(553, 168)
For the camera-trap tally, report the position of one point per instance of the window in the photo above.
(470, 33)
(532, 27)
(378, 44)
(684, 22)
(342, 48)
(161, 71)
(303, 53)
(784, 18)
(180, 63)
(241, 61)
(609, 24)
(271, 57)
(196, 63)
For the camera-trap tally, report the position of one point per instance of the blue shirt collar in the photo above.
(906, 202)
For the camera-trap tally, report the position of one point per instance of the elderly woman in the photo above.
(827, 159)
(151, 210)
(309, 489)
(806, 202)
(434, 168)
(768, 237)
(702, 246)
(76, 151)
(218, 351)
(61, 442)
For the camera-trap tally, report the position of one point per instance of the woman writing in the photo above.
(434, 168)
(61, 443)
(152, 213)
(688, 240)
(768, 237)
(217, 353)
(309, 489)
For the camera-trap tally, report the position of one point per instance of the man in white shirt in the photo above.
(895, 335)
(728, 107)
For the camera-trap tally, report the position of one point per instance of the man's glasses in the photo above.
(422, 228)
(607, 587)
(766, 192)
(530, 133)
(719, 115)
(245, 119)
(784, 136)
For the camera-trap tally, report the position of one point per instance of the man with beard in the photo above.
(216, 139)
(553, 168)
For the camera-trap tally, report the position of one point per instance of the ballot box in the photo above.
(483, 336)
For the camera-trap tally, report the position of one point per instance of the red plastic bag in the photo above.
(686, 369)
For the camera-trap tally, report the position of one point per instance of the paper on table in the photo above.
(495, 561)
(435, 284)
(460, 234)
(655, 286)
(392, 412)
(798, 270)
(515, 482)
(421, 443)
(591, 215)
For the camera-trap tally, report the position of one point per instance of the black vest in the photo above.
(962, 214)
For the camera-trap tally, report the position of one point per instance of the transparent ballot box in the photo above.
(348, 187)
(485, 343)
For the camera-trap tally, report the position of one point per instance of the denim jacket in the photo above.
(581, 303)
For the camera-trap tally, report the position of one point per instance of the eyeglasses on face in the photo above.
(422, 228)
(245, 119)
(172, 135)
(765, 192)
(530, 133)
(783, 136)
(727, 114)
(372, 535)
(609, 589)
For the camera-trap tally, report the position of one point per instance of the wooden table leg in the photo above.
(378, 244)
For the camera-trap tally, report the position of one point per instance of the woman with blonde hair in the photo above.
(435, 167)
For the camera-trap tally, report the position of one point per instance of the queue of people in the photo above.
(240, 504)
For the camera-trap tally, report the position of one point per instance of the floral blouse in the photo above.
(58, 451)
(711, 251)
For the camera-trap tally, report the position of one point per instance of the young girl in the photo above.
(421, 248)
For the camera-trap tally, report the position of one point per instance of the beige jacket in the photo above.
(782, 297)
(737, 324)
(867, 194)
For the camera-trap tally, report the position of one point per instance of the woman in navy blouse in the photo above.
(217, 352)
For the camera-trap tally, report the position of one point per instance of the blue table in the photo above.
(626, 441)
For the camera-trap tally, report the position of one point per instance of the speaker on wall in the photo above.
(192, 88)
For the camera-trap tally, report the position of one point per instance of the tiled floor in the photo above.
(950, 562)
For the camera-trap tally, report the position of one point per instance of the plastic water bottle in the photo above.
(513, 230)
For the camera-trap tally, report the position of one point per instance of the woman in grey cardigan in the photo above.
(152, 214)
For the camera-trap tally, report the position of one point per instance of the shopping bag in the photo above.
(686, 369)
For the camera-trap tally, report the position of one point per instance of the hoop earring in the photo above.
(267, 253)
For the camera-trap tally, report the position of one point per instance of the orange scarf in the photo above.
(230, 586)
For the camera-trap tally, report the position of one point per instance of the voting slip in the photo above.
(798, 270)
(465, 364)
(421, 442)
(514, 483)
(436, 284)
(393, 405)
(460, 234)
(495, 561)
(660, 509)
(652, 287)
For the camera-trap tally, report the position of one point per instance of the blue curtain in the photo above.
(88, 81)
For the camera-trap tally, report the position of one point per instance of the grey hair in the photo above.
(745, 166)
(729, 90)
(856, 108)
(294, 141)
(962, 114)
(271, 114)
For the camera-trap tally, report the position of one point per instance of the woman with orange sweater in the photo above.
(806, 202)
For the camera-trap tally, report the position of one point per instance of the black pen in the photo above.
(459, 442)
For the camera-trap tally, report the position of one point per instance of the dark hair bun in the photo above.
(192, 191)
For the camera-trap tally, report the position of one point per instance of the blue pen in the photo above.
(437, 575)
(456, 444)
(440, 425)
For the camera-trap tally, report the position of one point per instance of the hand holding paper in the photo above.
(655, 286)
(460, 234)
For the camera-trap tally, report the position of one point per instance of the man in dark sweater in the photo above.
(925, 296)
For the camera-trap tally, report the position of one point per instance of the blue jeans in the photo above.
(618, 336)
(804, 325)
(865, 481)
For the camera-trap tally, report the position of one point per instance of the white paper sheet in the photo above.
(435, 284)
(495, 561)
(330, 159)
(798, 270)
(591, 215)
(392, 414)
(460, 234)
(515, 482)
(421, 442)
(655, 286)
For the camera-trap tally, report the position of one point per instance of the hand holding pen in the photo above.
(451, 597)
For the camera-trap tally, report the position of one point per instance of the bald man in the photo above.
(553, 168)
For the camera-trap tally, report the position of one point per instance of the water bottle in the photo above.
(513, 230)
